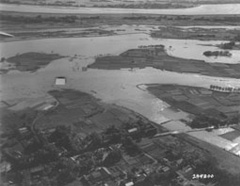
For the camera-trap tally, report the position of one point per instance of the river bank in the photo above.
(215, 9)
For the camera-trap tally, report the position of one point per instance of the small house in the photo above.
(60, 81)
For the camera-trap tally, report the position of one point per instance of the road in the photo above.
(187, 131)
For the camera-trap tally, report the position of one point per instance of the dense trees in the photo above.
(217, 53)
(61, 137)
(228, 45)
(204, 121)
(237, 38)
(131, 147)
(46, 19)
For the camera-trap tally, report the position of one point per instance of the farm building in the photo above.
(60, 81)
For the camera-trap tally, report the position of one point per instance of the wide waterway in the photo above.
(112, 86)
(199, 10)
(108, 84)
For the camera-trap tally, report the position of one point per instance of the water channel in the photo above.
(199, 10)
(112, 86)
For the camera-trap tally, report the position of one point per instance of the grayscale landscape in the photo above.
(120, 93)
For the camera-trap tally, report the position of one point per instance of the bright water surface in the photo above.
(117, 86)
(112, 86)
(200, 10)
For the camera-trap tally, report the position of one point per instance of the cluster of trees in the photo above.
(144, 5)
(237, 38)
(61, 137)
(230, 19)
(171, 17)
(64, 138)
(51, 149)
(217, 53)
(224, 89)
(138, 17)
(220, 19)
(228, 45)
(203, 121)
(47, 19)
(39, 19)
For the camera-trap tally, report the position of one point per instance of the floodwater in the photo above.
(112, 86)
(213, 27)
(199, 10)
(189, 49)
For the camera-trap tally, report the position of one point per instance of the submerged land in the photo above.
(156, 57)
(31, 61)
(69, 137)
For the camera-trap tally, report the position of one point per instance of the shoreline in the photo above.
(192, 138)
(170, 6)
(67, 37)
(107, 30)
(206, 10)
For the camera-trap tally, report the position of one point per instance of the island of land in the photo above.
(217, 53)
(30, 61)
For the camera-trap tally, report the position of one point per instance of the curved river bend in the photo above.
(117, 86)
(112, 86)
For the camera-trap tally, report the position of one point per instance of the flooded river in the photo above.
(117, 86)
(199, 10)
(112, 86)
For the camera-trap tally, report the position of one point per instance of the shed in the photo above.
(60, 81)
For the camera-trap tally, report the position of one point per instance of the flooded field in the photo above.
(156, 90)
(189, 49)
(113, 86)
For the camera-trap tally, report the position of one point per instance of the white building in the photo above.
(60, 81)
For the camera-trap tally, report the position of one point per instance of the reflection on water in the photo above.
(112, 86)
(109, 85)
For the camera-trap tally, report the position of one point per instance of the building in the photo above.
(36, 171)
(100, 175)
(186, 172)
(60, 81)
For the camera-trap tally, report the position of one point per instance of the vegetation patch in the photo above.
(155, 56)
(210, 108)
(217, 53)
(32, 61)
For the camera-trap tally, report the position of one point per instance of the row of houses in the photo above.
(224, 89)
